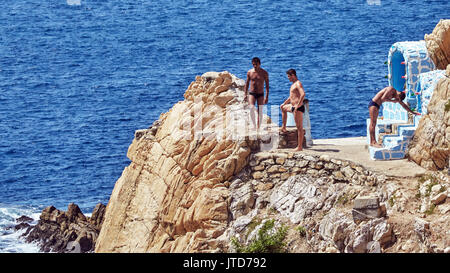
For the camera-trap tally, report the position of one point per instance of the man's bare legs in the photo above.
(260, 109)
(284, 109)
(373, 112)
(252, 103)
(298, 117)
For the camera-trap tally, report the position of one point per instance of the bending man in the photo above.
(386, 94)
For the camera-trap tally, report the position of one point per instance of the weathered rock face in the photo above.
(70, 231)
(197, 181)
(438, 44)
(338, 205)
(430, 147)
(368, 237)
(173, 196)
(298, 189)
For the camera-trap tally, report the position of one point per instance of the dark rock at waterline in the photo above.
(21, 226)
(24, 219)
(70, 231)
(23, 222)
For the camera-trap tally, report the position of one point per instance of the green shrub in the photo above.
(418, 195)
(428, 190)
(430, 210)
(433, 181)
(301, 230)
(392, 201)
(343, 199)
(253, 224)
(426, 177)
(266, 241)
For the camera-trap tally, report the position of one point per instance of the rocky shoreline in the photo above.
(63, 231)
(188, 193)
(200, 181)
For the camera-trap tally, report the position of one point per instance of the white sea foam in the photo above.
(73, 2)
(12, 243)
(10, 240)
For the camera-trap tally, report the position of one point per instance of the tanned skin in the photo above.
(295, 100)
(256, 78)
(389, 94)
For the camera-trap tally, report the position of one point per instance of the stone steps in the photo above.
(395, 138)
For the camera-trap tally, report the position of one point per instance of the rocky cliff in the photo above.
(201, 181)
(438, 44)
(174, 195)
(430, 147)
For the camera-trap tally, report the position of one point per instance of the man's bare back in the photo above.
(386, 94)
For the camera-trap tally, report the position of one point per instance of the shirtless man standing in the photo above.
(256, 77)
(294, 104)
(386, 94)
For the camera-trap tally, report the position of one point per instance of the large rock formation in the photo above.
(70, 231)
(173, 196)
(199, 180)
(438, 44)
(430, 147)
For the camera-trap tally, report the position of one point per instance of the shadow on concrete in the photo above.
(325, 150)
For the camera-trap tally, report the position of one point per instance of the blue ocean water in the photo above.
(78, 77)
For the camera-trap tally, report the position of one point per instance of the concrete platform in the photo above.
(356, 149)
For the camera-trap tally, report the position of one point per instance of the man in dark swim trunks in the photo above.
(294, 104)
(386, 94)
(256, 77)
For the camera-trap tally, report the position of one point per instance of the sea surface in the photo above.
(78, 77)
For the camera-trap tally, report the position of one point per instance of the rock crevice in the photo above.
(430, 147)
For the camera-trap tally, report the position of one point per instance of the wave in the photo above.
(10, 240)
